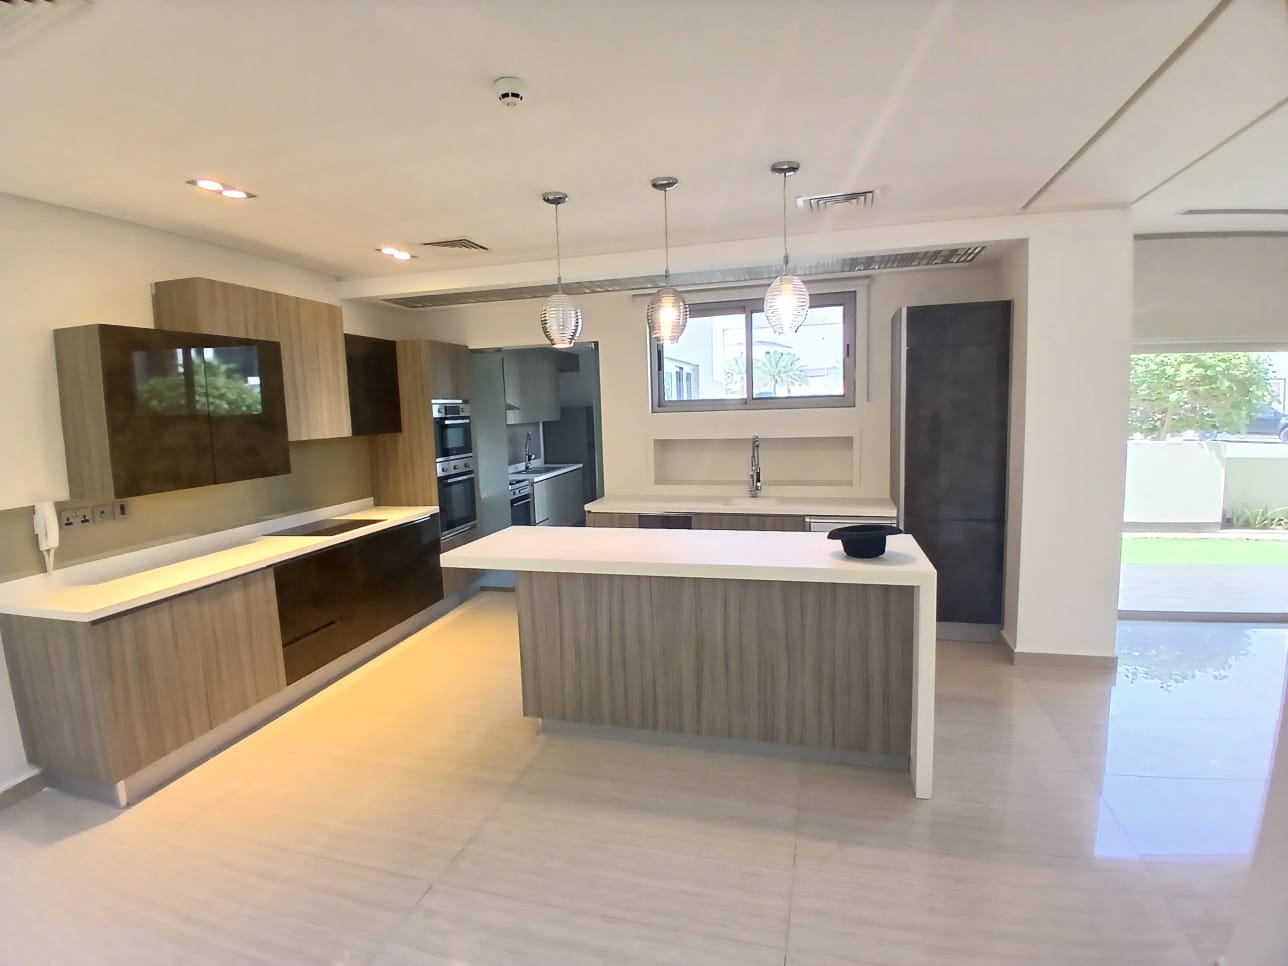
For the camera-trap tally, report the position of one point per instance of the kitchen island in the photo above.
(774, 640)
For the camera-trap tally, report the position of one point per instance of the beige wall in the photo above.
(616, 321)
(62, 267)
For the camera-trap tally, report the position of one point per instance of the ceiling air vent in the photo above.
(24, 22)
(1235, 211)
(817, 267)
(841, 199)
(468, 244)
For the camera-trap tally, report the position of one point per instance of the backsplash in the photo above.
(515, 436)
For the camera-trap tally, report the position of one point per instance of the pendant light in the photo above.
(560, 318)
(787, 300)
(667, 313)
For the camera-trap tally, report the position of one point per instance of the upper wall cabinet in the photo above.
(373, 385)
(311, 334)
(148, 410)
(531, 379)
(449, 374)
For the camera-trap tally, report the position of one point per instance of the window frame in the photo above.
(846, 300)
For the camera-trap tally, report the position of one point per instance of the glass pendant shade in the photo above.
(561, 321)
(560, 317)
(786, 304)
(787, 298)
(667, 315)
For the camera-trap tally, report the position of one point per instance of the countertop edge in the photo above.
(790, 506)
(535, 478)
(14, 609)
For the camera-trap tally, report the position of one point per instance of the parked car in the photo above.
(1269, 420)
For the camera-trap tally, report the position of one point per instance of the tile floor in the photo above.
(410, 814)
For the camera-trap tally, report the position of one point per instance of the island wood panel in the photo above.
(595, 518)
(455, 579)
(818, 664)
(747, 521)
(403, 464)
(235, 625)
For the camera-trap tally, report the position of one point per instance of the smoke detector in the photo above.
(510, 91)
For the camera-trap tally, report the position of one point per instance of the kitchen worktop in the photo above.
(539, 474)
(728, 554)
(793, 505)
(93, 591)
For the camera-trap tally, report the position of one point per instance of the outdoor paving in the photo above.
(1224, 589)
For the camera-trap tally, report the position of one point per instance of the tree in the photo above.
(1214, 392)
(777, 368)
(219, 391)
(735, 376)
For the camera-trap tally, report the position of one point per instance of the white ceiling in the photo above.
(374, 123)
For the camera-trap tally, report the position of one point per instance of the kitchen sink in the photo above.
(323, 528)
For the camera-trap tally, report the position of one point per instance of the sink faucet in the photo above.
(527, 453)
(753, 484)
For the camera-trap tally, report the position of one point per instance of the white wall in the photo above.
(1013, 279)
(1177, 481)
(62, 267)
(616, 321)
(1212, 292)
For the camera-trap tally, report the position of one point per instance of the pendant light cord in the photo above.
(559, 255)
(784, 223)
(666, 234)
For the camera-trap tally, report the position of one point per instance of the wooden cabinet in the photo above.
(372, 366)
(404, 471)
(558, 501)
(531, 378)
(449, 375)
(337, 599)
(149, 410)
(698, 521)
(311, 335)
(455, 580)
(101, 701)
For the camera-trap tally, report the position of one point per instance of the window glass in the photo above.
(807, 362)
(709, 361)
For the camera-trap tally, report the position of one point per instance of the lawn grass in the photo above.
(1204, 550)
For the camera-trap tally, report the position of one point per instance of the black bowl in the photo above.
(864, 540)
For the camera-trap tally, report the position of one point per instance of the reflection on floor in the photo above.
(410, 814)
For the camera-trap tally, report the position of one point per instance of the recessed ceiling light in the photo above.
(397, 253)
(227, 190)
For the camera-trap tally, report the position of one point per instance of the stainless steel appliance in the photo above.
(452, 436)
(457, 507)
(521, 509)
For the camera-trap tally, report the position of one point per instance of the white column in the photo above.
(1075, 349)
(1261, 930)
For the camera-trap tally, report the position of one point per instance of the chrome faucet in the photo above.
(753, 485)
(527, 453)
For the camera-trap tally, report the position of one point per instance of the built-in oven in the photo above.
(452, 436)
(457, 507)
(521, 510)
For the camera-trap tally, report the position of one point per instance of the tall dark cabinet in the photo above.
(372, 365)
(951, 407)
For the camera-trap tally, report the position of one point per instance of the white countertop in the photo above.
(88, 592)
(770, 505)
(539, 474)
(730, 554)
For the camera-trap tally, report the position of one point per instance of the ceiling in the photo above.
(367, 124)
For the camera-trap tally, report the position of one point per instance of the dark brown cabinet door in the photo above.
(185, 409)
(373, 385)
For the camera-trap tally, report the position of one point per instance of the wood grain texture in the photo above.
(84, 412)
(823, 665)
(311, 334)
(748, 521)
(596, 519)
(101, 701)
(235, 625)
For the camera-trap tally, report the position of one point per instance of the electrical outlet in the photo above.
(103, 514)
(120, 509)
(84, 516)
(68, 518)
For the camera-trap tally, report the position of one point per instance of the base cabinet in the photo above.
(698, 521)
(100, 701)
(558, 501)
(455, 580)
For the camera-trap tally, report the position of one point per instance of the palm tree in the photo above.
(777, 368)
